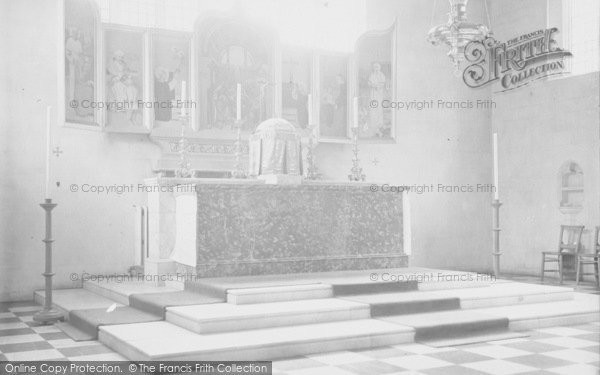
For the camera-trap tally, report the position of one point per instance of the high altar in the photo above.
(275, 221)
(229, 227)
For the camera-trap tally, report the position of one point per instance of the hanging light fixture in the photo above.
(458, 32)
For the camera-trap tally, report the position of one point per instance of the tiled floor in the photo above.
(22, 339)
(556, 350)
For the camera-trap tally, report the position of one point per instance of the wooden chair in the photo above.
(590, 259)
(569, 243)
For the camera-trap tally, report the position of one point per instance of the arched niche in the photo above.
(230, 50)
(571, 188)
(81, 49)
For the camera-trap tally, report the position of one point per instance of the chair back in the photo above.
(570, 238)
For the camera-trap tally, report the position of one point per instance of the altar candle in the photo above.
(183, 97)
(496, 165)
(355, 114)
(239, 102)
(48, 151)
(309, 107)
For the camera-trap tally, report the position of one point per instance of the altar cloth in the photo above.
(250, 229)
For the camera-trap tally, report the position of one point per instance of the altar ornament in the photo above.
(48, 314)
(276, 152)
(238, 171)
(458, 32)
(311, 173)
(184, 169)
(356, 172)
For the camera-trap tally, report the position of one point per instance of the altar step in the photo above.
(166, 341)
(501, 294)
(279, 293)
(225, 317)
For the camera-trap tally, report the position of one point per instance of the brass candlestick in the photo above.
(183, 171)
(311, 168)
(356, 172)
(238, 171)
(48, 315)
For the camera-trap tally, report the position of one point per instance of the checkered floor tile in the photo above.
(22, 339)
(570, 350)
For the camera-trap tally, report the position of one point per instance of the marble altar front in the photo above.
(227, 227)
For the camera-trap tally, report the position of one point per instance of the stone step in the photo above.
(67, 300)
(225, 317)
(583, 308)
(166, 341)
(348, 289)
(447, 324)
(397, 304)
(279, 293)
(500, 294)
(121, 291)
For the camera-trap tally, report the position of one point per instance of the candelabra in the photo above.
(311, 168)
(183, 170)
(48, 314)
(238, 171)
(356, 173)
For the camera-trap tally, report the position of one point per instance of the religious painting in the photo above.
(81, 19)
(333, 97)
(374, 64)
(232, 52)
(124, 82)
(296, 86)
(170, 69)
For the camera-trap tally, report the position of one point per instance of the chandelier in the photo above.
(458, 32)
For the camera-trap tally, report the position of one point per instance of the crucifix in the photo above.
(57, 151)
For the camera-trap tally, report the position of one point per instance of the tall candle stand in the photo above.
(48, 315)
(496, 230)
(311, 168)
(356, 172)
(238, 171)
(183, 171)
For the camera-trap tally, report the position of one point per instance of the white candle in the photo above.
(355, 107)
(309, 107)
(239, 102)
(183, 97)
(495, 165)
(48, 151)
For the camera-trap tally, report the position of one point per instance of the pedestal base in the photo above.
(48, 316)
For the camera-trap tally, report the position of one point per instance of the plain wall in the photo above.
(93, 233)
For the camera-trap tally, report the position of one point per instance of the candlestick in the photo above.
(48, 314)
(496, 231)
(356, 172)
(309, 107)
(496, 194)
(239, 102)
(238, 171)
(311, 168)
(48, 151)
(355, 112)
(183, 97)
